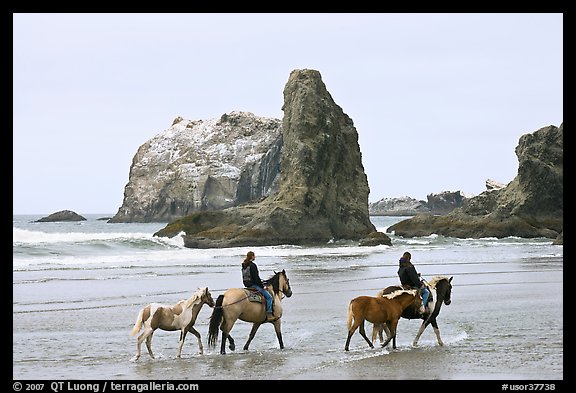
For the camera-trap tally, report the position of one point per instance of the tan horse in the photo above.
(378, 310)
(180, 316)
(235, 304)
(440, 293)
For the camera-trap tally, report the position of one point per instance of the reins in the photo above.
(229, 304)
(244, 298)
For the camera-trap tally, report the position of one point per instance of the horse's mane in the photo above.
(434, 280)
(399, 292)
(195, 299)
(275, 282)
(381, 292)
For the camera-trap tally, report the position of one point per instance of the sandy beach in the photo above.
(488, 330)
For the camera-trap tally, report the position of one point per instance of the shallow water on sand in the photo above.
(72, 320)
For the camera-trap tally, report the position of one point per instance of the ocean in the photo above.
(78, 287)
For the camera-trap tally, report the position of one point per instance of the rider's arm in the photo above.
(255, 275)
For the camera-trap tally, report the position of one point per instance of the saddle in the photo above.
(254, 296)
(430, 296)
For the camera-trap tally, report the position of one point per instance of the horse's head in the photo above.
(445, 288)
(284, 283)
(280, 283)
(207, 297)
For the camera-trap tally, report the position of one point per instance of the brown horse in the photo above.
(235, 304)
(386, 309)
(440, 291)
(180, 316)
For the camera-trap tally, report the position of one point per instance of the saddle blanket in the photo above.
(254, 296)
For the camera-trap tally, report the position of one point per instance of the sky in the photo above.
(439, 100)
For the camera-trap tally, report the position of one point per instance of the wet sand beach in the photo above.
(505, 322)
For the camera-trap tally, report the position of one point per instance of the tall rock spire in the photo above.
(323, 190)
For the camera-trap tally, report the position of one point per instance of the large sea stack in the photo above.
(202, 165)
(323, 190)
(530, 206)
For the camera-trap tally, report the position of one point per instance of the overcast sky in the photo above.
(439, 100)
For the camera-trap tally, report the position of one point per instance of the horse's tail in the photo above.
(350, 315)
(138, 323)
(215, 320)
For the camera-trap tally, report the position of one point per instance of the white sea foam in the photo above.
(25, 236)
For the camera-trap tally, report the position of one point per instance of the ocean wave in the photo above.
(26, 236)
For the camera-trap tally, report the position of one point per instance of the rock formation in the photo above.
(444, 202)
(437, 204)
(323, 190)
(400, 206)
(530, 206)
(493, 185)
(63, 215)
(202, 165)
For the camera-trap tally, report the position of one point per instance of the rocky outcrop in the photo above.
(444, 202)
(437, 204)
(202, 165)
(401, 206)
(493, 185)
(323, 190)
(530, 206)
(559, 239)
(63, 215)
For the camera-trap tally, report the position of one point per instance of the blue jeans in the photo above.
(425, 294)
(267, 296)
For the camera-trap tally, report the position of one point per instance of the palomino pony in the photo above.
(386, 309)
(180, 316)
(440, 291)
(235, 304)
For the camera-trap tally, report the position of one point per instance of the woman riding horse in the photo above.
(236, 304)
(251, 279)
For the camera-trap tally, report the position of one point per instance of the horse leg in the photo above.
(278, 333)
(223, 344)
(253, 331)
(389, 335)
(182, 337)
(149, 343)
(363, 334)
(377, 329)
(197, 334)
(386, 330)
(437, 332)
(351, 331)
(144, 336)
(393, 330)
(139, 342)
(225, 327)
(231, 345)
(420, 331)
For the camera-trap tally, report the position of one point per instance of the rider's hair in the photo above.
(249, 257)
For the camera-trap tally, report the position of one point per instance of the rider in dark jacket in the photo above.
(251, 279)
(411, 278)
